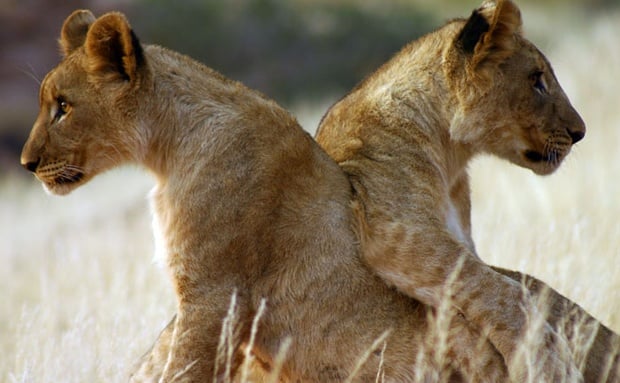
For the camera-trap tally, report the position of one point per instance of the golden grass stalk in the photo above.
(274, 376)
(364, 357)
(226, 346)
(248, 357)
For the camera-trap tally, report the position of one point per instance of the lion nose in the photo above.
(575, 126)
(31, 165)
(576, 135)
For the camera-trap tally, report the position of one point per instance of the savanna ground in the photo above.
(82, 298)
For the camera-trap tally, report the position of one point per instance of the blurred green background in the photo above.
(293, 51)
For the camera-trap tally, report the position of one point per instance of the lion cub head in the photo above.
(508, 100)
(88, 103)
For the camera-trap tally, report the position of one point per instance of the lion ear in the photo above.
(112, 48)
(74, 30)
(489, 35)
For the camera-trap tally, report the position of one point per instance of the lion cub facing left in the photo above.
(246, 202)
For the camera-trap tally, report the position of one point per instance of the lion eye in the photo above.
(62, 108)
(538, 81)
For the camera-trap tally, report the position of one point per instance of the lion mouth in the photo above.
(535, 156)
(60, 182)
(551, 157)
(545, 162)
(69, 178)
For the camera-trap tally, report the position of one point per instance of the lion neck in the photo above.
(187, 107)
(413, 90)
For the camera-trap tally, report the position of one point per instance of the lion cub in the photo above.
(247, 205)
(404, 137)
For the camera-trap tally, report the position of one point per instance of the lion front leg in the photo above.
(595, 348)
(474, 357)
(151, 366)
(432, 267)
(204, 341)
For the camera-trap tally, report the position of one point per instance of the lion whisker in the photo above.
(31, 74)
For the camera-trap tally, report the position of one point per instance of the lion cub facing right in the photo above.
(404, 137)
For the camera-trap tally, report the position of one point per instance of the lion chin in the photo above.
(544, 163)
(62, 186)
(63, 181)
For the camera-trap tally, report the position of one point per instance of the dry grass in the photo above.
(82, 298)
